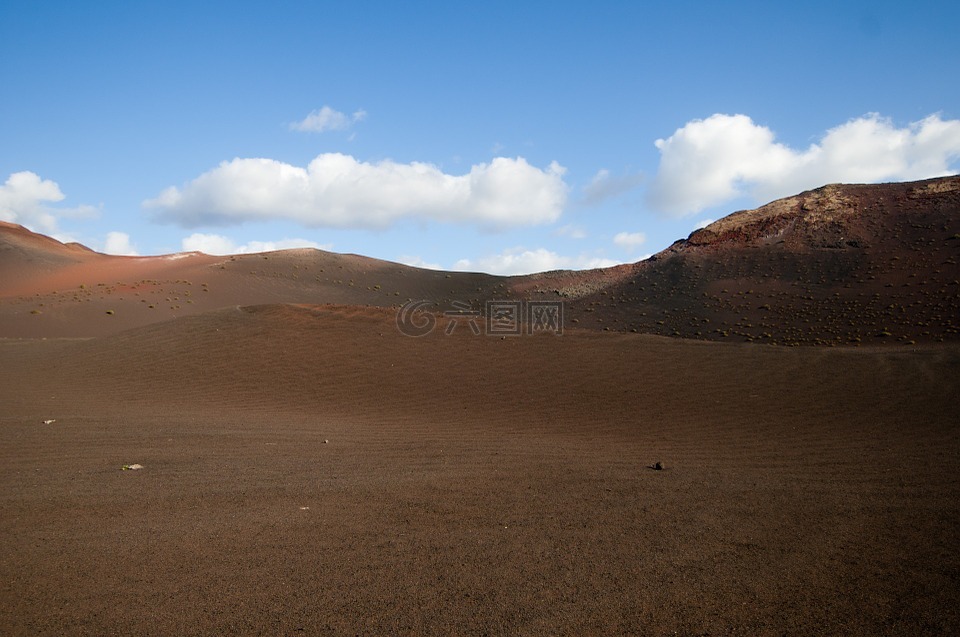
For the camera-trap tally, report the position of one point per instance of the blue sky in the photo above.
(485, 136)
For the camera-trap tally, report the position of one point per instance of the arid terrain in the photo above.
(307, 468)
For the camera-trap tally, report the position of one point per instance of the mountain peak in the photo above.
(829, 215)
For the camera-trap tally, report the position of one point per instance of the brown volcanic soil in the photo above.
(309, 470)
(840, 265)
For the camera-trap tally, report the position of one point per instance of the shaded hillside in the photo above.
(27, 253)
(842, 264)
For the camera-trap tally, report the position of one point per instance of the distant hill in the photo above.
(50, 289)
(839, 265)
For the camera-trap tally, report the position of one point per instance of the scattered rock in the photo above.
(657, 466)
(132, 467)
(49, 422)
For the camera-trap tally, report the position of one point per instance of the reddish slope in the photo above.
(28, 254)
(48, 289)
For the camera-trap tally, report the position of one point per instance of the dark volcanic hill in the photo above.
(842, 264)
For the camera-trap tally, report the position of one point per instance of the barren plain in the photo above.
(307, 468)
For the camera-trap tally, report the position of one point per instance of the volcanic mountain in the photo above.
(52, 289)
(839, 265)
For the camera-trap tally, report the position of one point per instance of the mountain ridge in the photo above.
(837, 265)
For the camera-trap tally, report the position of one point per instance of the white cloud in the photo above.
(708, 162)
(327, 119)
(604, 186)
(630, 240)
(220, 245)
(119, 243)
(703, 224)
(24, 199)
(336, 190)
(417, 262)
(521, 261)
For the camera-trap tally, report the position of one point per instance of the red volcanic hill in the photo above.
(840, 265)
(27, 253)
(49, 289)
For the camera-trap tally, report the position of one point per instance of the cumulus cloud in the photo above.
(605, 186)
(521, 261)
(327, 119)
(220, 245)
(703, 223)
(336, 190)
(119, 243)
(25, 199)
(630, 240)
(710, 161)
